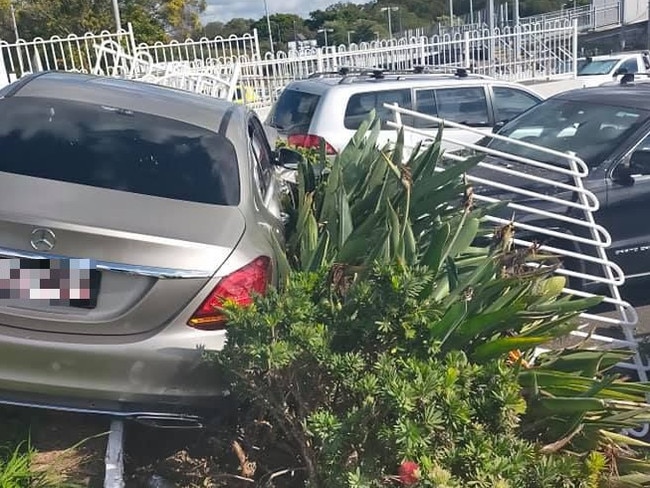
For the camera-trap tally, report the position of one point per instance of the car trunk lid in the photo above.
(148, 267)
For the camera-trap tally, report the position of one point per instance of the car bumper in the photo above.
(166, 374)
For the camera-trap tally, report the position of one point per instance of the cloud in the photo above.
(224, 10)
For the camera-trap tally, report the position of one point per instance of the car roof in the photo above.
(195, 109)
(356, 83)
(628, 96)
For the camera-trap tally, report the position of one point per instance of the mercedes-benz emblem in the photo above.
(43, 239)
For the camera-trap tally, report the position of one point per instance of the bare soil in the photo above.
(70, 450)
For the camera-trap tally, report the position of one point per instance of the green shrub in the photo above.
(398, 350)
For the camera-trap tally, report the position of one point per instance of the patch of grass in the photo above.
(23, 467)
(40, 449)
(15, 467)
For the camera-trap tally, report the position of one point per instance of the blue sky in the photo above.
(224, 10)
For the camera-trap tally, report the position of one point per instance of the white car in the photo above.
(600, 71)
(596, 70)
(331, 106)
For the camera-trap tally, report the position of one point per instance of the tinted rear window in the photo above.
(293, 111)
(116, 149)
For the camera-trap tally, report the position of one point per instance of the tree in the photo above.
(152, 20)
(182, 16)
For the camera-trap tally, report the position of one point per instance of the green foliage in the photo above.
(397, 337)
(153, 20)
(367, 21)
(17, 470)
(356, 395)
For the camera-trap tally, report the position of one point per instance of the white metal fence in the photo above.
(540, 210)
(523, 53)
(72, 53)
(526, 52)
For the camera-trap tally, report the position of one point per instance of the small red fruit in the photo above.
(409, 473)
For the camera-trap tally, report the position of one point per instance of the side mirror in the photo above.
(497, 127)
(619, 71)
(288, 158)
(623, 175)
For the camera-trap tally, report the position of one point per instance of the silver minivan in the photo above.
(331, 106)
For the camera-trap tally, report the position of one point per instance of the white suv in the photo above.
(331, 106)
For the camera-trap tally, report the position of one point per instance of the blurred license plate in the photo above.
(62, 282)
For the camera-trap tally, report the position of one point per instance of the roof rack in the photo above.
(348, 73)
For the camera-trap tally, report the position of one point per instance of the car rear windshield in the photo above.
(118, 149)
(293, 111)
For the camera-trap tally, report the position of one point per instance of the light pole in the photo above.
(325, 31)
(451, 13)
(350, 32)
(116, 14)
(13, 19)
(268, 25)
(390, 24)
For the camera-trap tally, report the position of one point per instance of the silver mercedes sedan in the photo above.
(129, 213)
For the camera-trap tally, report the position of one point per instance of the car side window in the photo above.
(425, 103)
(361, 104)
(262, 156)
(637, 163)
(467, 105)
(630, 66)
(510, 102)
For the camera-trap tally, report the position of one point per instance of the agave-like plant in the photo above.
(370, 206)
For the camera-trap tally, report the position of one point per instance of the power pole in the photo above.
(13, 20)
(268, 24)
(648, 27)
(116, 13)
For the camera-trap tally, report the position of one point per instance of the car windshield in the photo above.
(593, 131)
(293, 111)
(117, 149)
(597, 67)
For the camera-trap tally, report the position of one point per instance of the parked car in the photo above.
(596, 70)
(609, 128)
(173, 199)
(599, 71)
(331, 106)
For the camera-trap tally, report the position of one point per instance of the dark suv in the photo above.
(609, 128)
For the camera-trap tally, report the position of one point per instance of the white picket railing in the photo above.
(72, 53)
(217, 50)
(526, 52)
(588, 262)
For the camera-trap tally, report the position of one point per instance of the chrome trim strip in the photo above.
(113, 413)
(139, 416)
(150, 271)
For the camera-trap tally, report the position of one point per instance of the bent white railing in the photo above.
(574, 195)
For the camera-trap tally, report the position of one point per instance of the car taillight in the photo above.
(237, 287)
(310, 141)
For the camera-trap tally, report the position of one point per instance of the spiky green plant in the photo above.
(384, 286)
